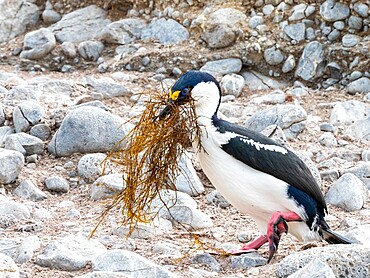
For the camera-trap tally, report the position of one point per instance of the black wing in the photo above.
(266, 155)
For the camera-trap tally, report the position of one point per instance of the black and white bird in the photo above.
(257, 175)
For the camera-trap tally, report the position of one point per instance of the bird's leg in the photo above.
(276, 227)
(250, 247)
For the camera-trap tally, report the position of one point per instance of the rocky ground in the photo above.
(70, 76)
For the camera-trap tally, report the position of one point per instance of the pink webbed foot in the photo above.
(276, 227)
(250, 247)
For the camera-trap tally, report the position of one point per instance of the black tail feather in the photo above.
(333, 237)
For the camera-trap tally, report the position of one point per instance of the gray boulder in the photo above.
(348, 112)
(4, 132)
(41, 131)
(81, 25)
(90, 50)
(273, 56)
(312, 61)
(30, 144)
(360, 129)
(291, 118)
(37, 44)
(107, 87)
(91, 166)
(361, 85)
(27, 114)
(87, 130)
(350, 40)
(18, 210)
(129, 263)
(11, 164)
(8, 268)
(70, 253)
(232, 84)
(188, 181)
(28, 190)
(222, 27)
(106, 186)
(296, 31)
(15, 17)
(348, 193)
(345, 260)
(247, 260)
(166, 31)
(331, 10)
(222, 67)
(124, 31)
(362, 171)
(57, 184)
(315, 268)
(360, 234)
(257, 81)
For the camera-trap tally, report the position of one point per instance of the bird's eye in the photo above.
(184, 92)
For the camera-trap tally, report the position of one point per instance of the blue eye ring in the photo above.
(184, 92)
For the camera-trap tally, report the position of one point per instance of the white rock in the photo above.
(28, 190)
(8, 268)
(106, 186)
(11, 164)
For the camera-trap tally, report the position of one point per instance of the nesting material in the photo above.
(150, 156)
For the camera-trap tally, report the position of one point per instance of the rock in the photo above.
(298, 12)
(361, 85)
(90, 50)
(207, 260)
(188, 181)
(217, 199)
(355, 22)
(348, 112)
(166, 31)
(291, 118)
(348, 193)
(311, 63)
(350, 40)
(360, 234)
(314, 268)
(168, 249)
(275, 97)
(41, 131)
(362, 171)
(328, 140)
(221, 28)
(344, 260)
(50, 16)
(11, 164)
(129, 263)
(332, 11)
(107, 87)
(70, 253)
(257, 81)
(28, 190)
(361, 8)
(69, 49)
(91, 166)
(27, 248)
(232, 84)
(87, 130)
(57, 184)
(81, 25)
(255, 21)
(124, 31)
(289, 64)
(27, 114)
(31, 144)
(2, 115)
(106, 186)
(7, 220)
(15, 17)
(104, 274)
(37, 44)
(18, 210)
(222, 67)
(295, 31)
(246, 261)
(360, 129)
(365, 156)
(273, 56)
(8, 268)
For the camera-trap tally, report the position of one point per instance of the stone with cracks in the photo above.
(312, 62)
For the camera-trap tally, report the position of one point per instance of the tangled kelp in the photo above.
(150, 156)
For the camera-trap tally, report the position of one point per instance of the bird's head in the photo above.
(201, 87)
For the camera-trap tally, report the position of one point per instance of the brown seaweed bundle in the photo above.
(149, 158)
